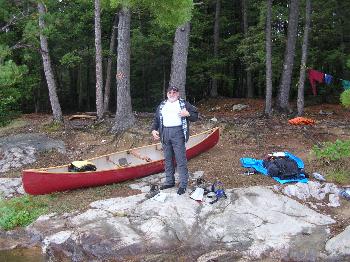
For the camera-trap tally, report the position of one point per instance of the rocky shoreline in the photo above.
(252, 223)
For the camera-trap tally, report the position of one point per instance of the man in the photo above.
(171, 126)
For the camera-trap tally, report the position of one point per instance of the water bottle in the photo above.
(345, 193)
(318, 177)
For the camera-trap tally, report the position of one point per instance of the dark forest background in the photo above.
(239, 40)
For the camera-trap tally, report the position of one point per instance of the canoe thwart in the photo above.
(122, 162)
(138, 155)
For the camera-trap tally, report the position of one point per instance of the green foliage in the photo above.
(31, 32)
(345, 98)
(20, 211)
(6, 110)
(333, 151)
(11, 74)
(10, 77)
(168, 14)
(339, 175)
(337, 156)
(252, 49)
(120, 3)
(4, 52)
(71, 60)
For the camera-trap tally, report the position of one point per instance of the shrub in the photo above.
(6, 110)
(11, 76)
(335, 156)
(20, 211)
(345, 98)
(333, 151)
(340, 176)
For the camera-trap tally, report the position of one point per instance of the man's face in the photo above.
(172, 95)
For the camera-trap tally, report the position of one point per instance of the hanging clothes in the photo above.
(315, 76)
(346, 84)
(328, 79)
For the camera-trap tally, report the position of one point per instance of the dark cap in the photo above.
(173, 88)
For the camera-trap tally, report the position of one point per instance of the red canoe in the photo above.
(136, 163)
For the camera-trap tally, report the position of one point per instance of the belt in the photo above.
(172, 126)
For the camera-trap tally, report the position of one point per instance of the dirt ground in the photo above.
(244, 133)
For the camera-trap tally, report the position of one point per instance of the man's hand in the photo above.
(155, 134)
(184, 113)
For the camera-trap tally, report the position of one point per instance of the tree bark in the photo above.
(300, 101)
(99, 74)
(283, 97)
(50, 79)
(250, 89)
(214, 83)
(179, 59)
(109, 66)
(268, 43)
(124, 117)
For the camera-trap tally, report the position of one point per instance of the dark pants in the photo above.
(174, 145)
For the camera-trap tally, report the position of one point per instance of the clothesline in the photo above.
(320, 77)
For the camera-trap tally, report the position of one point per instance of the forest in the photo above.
(119, 56)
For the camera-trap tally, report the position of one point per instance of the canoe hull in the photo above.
(37, 182)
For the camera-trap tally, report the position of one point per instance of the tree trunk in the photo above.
(214, 84)
(300, 102)
(250, 89)
(268, 99)
(99, 74)
(179, 59)
(109, 66)
(50, 79)
(283, 98)
(124, 117)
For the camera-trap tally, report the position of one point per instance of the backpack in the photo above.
(282, 167)
(81, 166)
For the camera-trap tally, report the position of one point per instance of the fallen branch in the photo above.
(73, 117)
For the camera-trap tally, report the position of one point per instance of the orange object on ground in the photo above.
(301, 121)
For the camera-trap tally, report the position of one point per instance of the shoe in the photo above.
(152, 194)
(166, 186)
(181, 190)
(153, 191)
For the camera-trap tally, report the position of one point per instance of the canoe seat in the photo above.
(123, 162)
(139, 156)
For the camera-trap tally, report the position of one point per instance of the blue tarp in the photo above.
(259, 167)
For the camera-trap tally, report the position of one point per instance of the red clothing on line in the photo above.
(313, 77)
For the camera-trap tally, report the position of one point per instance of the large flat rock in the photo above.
(20, 149)
(251, 223)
